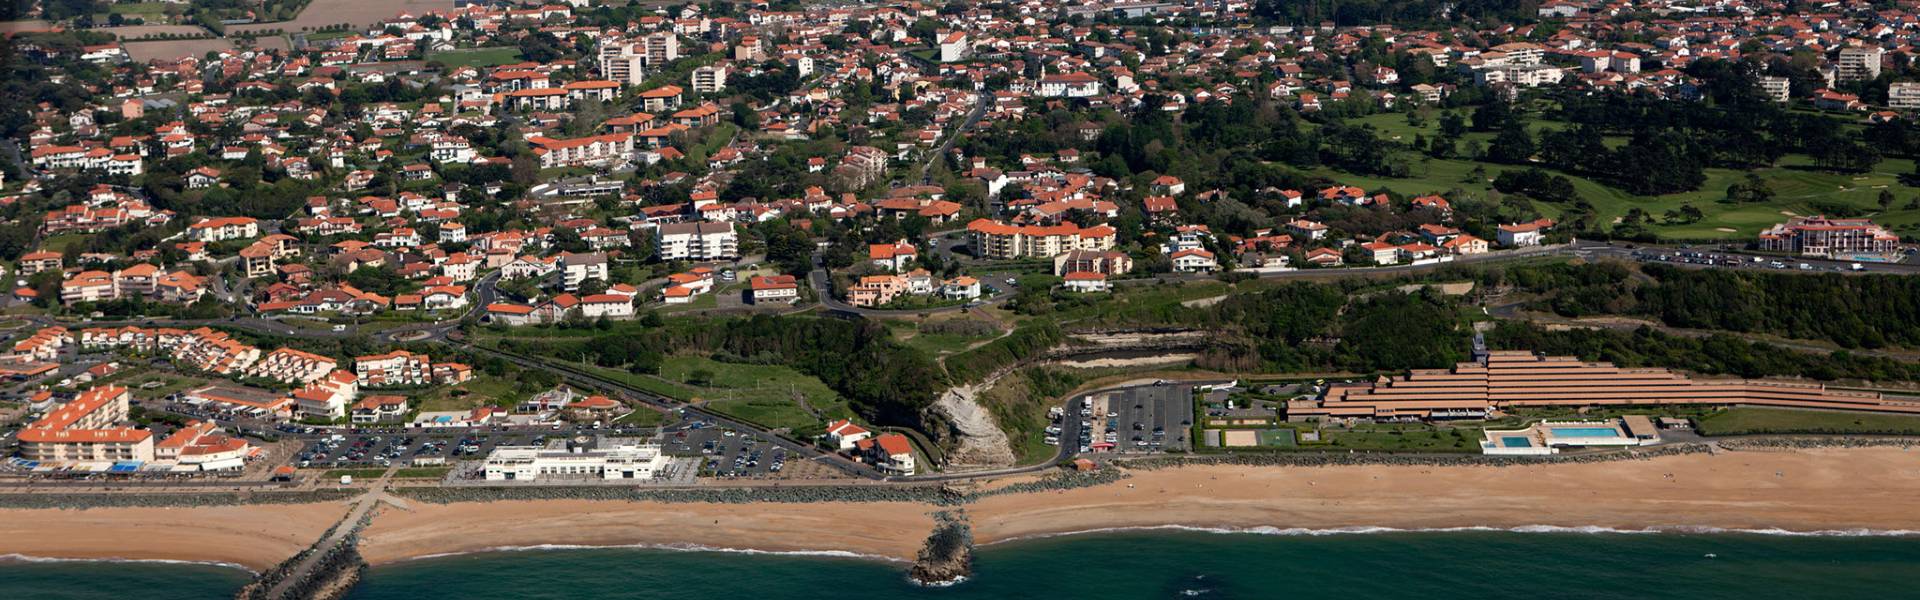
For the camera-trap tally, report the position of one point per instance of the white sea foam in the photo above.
(939, 584)
(673, 547)
(163, 561)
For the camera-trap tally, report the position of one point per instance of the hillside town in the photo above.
(443, 253)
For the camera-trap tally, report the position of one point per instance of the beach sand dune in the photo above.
(255, 536)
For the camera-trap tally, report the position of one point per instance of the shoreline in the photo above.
(1805, 492)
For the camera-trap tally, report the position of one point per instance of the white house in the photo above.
(1194, 260)
(843, 434)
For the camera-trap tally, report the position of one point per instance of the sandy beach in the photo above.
(254, 536)
(876, 529)
(1807, 490)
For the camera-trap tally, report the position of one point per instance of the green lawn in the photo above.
(1750, 420)
(477, 57)
(644, 417)
(482, 390)
(141, 9)
(763, 394)
(1797, 188)
(60, 242)
(1400, 438)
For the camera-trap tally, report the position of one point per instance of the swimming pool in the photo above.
(1516, 442)
(1588, 432)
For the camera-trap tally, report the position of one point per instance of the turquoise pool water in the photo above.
(1585, 431)
(1516, 442)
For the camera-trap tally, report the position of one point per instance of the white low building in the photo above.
(613, 460)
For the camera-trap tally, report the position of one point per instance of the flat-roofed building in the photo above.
(612, 459)
(1860, 63)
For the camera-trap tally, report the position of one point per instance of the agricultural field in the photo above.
(174, 49)
(477, 57)
(358, 13)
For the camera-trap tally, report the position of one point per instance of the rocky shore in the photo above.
(947, 557)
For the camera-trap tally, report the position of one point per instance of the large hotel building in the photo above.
(1519, 379)
(1821, 236)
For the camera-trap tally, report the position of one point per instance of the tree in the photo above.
(1752, 190)
(1513, 146)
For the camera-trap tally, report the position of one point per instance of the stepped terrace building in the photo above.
(1519, 379)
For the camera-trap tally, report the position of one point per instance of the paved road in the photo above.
(980, 101)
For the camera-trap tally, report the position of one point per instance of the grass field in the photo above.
(768, 395)
(1748, 420)
(1797, 187)
(477, 57)
(139, 9)
(483, 390)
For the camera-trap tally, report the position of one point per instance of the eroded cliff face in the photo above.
(979, 442)
(975, 439)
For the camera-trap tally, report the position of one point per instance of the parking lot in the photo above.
(406, 448)
(1145, 419)
(726, 453)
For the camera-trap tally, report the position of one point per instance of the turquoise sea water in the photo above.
(1118, 566)
(135, 580)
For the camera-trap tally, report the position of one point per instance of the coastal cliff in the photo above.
(947, 557)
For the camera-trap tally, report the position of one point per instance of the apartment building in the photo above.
(88, 429)
(577, 268)
(595, 150)
(710, 79)
(698, 241)
(662, 47)
(221, 229)
(1001, 241)
(1860, 63)
(624, 62)
(290, 365)
(1092, 261)
(1904, 95)
(1776, 88)
(398, 367)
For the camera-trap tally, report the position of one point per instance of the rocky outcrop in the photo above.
(979, 441)
(947, 558)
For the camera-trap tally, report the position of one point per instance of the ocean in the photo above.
(1118, 566)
